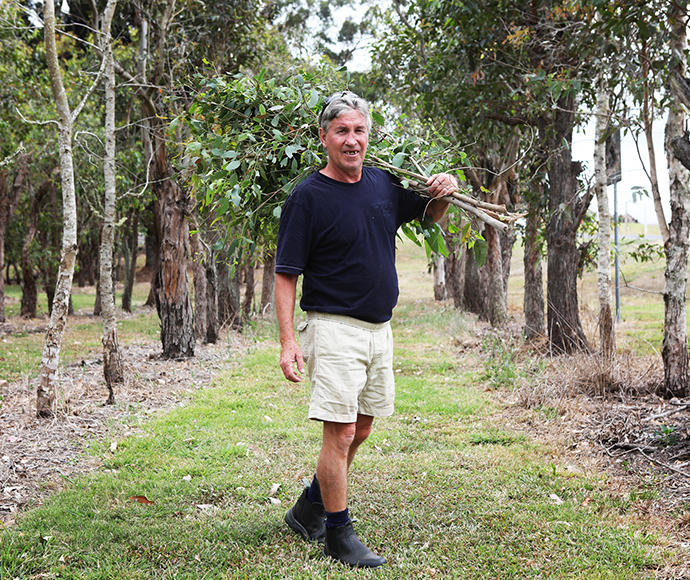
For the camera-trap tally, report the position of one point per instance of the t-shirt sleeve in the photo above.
(294, 237)
(410, 205)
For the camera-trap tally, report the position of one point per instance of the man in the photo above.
(338, 229)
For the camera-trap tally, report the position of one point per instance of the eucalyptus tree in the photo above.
(675, 347)
(497, 69)
(652, 38)
(47, 383)
(113, 370)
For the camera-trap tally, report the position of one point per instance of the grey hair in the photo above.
(339, 103)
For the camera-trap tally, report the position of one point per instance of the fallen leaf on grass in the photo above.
(586, 502)
(207, 508)
(555, 499)
(274, 500)
(274, 489)
(141, 499)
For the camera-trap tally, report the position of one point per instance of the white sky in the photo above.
(632, 172)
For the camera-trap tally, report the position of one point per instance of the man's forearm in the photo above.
(285, 295)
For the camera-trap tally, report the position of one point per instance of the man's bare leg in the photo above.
(340, 444)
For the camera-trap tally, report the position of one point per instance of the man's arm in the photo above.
(440, 185)
(290, 353)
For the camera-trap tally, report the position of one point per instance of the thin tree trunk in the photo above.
(9, 196)
(47, 382)
(455, 272)
(495, 303)
(211, 299)
(607, 335)
(533, 301)
(130, 246)
(200, 290)
(675, 347)
(268, 282)
(249, 291)
(651, 152)
(113, 370)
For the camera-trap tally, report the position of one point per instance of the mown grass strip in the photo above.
(439, 489)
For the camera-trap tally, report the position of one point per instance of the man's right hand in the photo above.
(291, 355)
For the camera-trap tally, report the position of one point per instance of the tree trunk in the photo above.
(533, 301)
(455, 272)
(113, 370)
(439, 267)
(175, 305)
(268, 282)
(47, 382)
(473, 297)
(200, 290)
(565, 214)
(249, 291)
(607, 335)
(9, 196)
(130, 245)
(229, 312)
(675, 348)
(495, 305)
(211, 299)
(153, 240)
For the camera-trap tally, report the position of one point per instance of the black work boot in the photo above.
(307, 519)
(343, 545)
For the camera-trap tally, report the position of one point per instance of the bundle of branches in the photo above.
(414, 161)
(255, 138)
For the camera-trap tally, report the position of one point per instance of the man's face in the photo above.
(346, 142)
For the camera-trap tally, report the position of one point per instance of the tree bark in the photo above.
(675, 347)
(607, 335)
(495, 304)
(565, 214)
(9, 196)
(533, 301)
(113, 370)
(200, 288)
(47, 382)
(211, 299)
(249, 291)
(229, 306)
(268, 282)
(130, 246)
(175, 305)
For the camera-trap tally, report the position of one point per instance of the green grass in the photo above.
(20, 352)
(440, 489)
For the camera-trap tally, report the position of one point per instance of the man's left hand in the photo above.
(442, 185)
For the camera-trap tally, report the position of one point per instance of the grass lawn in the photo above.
(442, 489)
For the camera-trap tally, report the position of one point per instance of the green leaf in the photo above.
(378, 118)
(398, 160)
(313, 99)
(481, 250)
(233, 165)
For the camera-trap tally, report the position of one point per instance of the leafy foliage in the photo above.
(255, 138)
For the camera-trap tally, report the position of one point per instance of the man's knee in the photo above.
(339, 436)
(362, 429)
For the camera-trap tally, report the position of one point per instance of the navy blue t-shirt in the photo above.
(341, 236)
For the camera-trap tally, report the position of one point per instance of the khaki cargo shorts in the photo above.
(350, 367)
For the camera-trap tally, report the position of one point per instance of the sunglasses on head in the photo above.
(335, 96)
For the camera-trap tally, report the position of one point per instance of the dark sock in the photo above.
(337, 519)
(314, 493)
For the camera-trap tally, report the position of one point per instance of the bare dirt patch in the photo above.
(38, 456)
